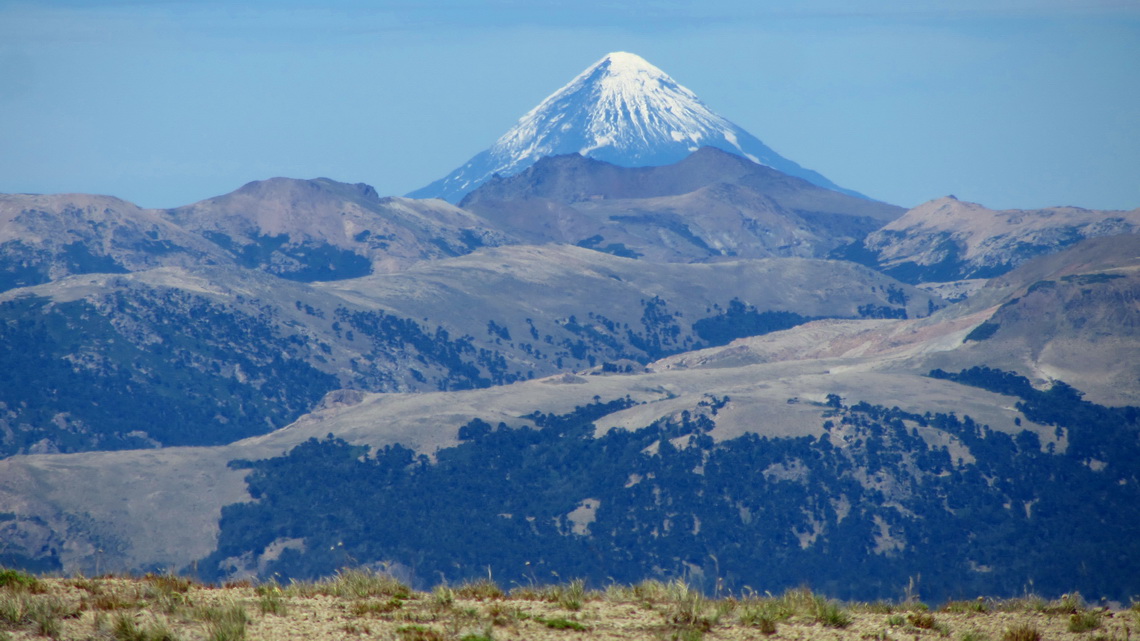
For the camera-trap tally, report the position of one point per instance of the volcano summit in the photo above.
(621, 110)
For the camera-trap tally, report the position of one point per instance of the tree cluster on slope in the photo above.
(857, 513)
(87, 385)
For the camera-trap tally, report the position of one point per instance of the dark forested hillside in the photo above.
(883, 498)
(71, 378)
(203, 357)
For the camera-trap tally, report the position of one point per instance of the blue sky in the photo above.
(1010, 103)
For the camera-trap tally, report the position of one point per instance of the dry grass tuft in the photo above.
(357, 584)
(979, 606)
(1022, 632)
(481, 590)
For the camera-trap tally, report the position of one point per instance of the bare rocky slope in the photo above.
(711, 205)
(323, 230)
(948, 239)
(1068, 316)
(302, 230)
(47, 237)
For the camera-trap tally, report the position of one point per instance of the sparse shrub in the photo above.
(831, 615)
(476, 637)
(1067, 604)
(442, 597)
(272, 603)
(271, 599)
(90, 586)
(481, 589)
(760, 617)
(650, 590)
(616, 593)
(1084, 621)
(126, 628)
(17, 580)
(111, 601)
(688, 634)
(764, 614)
(895, 620)
(803, 602)
(226, 623)
(364, 583)
(921, 620)
(800, 601)
(168, 583)
(159, 630)
(570, 596)
(13, 608)
(375, 608)
(48, 626)
(303, 589)
(526, 593)
(879, 607)
(560, 623)
(418, 633)
(573, 595)
(724, 607)
(973, 635)
(46, 614)
(1028, 603)
(978, 606)
(1022, 632)
(502, 614)
(172, 603)
(99, 621)
(356, 628)
(687, 607)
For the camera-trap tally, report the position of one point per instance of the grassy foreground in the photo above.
(364, 605)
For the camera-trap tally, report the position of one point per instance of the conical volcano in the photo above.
(621, 110)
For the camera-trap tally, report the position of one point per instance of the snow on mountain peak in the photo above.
(620, 106)
(621, 110)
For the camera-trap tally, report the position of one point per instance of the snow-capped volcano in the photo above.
(621, 110)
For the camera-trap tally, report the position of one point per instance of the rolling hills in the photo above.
(643, 345)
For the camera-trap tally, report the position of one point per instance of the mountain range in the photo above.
(643, 355)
